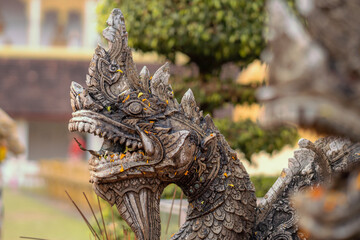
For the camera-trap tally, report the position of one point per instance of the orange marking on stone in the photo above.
(128, 96)
(330, 203)
(317, 193)
(303, 234)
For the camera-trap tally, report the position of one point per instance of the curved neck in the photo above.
(220, 195)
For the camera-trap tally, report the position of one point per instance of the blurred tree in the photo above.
(211, 34)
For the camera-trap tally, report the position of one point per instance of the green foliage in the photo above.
(262, 184)
(215, 94)
(211, 33)
(250, 138)
(168, 192)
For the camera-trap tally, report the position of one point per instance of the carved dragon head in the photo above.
(149, 139)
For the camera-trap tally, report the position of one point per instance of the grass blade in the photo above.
(93, 213)
(113, 220)
(172, 204)
(181, 198)
(102, 217)
(82, 215)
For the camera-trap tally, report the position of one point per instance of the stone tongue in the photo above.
(141, 211)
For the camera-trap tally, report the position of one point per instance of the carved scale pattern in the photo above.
(223, 208)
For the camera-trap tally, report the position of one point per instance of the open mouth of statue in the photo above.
(125, 151)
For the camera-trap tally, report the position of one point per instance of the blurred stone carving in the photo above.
(314, 72)
(9, 142)
(315, 83)
(8, 135)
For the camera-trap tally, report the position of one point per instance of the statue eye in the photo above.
(135, 108)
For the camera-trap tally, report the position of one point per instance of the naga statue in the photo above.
(150, 141)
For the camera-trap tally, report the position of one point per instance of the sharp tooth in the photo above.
(70, 127)
(134, 145)
(87, 127)
(140, 145)
(92, 128)
(81, 127)
(104, 134)
(76, 125)
(98, 132)
(128, 143)
(122, 140)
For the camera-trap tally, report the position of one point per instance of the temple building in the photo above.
(44, 46)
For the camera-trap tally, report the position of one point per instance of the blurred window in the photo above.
(13, 23)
